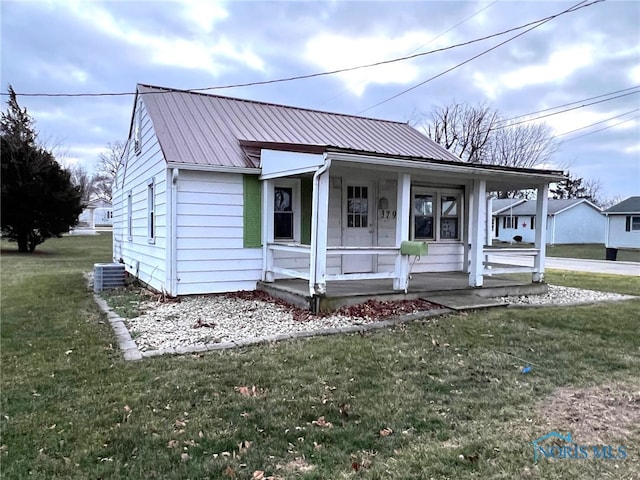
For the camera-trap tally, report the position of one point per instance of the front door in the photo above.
(358, 226)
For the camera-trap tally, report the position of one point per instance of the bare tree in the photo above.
(463, 129)
(81, 178)
(524, 146)
(108, 164)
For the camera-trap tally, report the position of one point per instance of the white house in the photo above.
(216, 194)
(575, 220)
(97, 214)
(623, 224)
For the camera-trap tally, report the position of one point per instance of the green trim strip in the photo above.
(252, 237)
(306, 192)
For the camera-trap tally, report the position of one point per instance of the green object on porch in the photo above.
(413, 248)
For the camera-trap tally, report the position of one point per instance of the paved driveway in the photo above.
(575, 264)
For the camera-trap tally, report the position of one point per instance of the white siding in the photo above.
(523, 228)
(210, 253)
(618, 236)
(580, 224)
(141, 258)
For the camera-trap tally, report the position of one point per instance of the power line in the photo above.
(565, 110)
(597, 123)
(342, 92)
(536, 23)
(567, 104)
(572, 9)
(599, 130)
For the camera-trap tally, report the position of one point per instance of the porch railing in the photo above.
(509, 260)
(331, 251)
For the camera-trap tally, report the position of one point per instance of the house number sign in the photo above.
(386, 213)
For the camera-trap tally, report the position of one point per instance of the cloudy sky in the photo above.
(72, 46)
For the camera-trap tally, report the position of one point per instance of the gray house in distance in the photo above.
(574, 220)
(623, 224)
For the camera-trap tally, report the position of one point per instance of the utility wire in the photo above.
(599, 130)
(572, 9)
(418, 48)
(536, 23)
(567, 104)
(565, 110)
(596, 123)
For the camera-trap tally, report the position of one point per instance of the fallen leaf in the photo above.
(184, 457)
(244, 445)
(385, 432)
(180, 424)
(68, 352)
(231, 473)
(321, 422)
(258, 475)
(172, 444)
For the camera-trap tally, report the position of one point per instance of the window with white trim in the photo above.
(151, 211)
(635, 223)
(510, 222)
(286, 210)
(436, 214)
(130, 215)
(137, 143)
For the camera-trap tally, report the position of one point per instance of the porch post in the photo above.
(92, 218)
(478, 215)
(542, 201)
(489, 215)
(320, 220)
(267, 230)
(403, 217)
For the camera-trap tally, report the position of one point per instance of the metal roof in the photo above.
(203, 129)
(554, 206)
(630, 205)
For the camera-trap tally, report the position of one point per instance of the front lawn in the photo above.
(439, 398)
(587, 251)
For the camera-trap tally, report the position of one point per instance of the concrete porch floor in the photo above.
(422, 285)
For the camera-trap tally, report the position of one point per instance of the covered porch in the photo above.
(428, 286)
(361, 210)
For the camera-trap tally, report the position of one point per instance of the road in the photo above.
(575, 264)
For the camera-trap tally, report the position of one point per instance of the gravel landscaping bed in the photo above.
(249, 316)
(564, 296)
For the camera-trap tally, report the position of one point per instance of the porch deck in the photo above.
(422, 285)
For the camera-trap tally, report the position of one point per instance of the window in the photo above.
(423, 216)
(283, 213)
(533, 223)
(449, 217)
(357, 207)
(136, 134)
(151, 211)
(130, 215)
(436, 214)
(632, 223)
(510, 222)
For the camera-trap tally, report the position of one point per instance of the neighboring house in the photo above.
(216, 194)
(575, 220)
(97, 213)
(623, 224)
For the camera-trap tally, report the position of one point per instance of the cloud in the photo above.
(332, 51)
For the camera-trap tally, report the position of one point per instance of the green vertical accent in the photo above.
(252, 211)
(306, 192)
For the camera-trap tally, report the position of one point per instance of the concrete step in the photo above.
(461, 302)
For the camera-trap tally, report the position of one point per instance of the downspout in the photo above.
(315, 200)
(173, 233)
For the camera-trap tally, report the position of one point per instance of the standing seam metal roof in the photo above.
(203, 129)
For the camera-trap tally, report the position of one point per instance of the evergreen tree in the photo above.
(38, 199)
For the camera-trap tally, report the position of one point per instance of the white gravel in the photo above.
(200, 321)
(564, 296)
(208, 320)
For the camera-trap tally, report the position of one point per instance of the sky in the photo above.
(67, 46)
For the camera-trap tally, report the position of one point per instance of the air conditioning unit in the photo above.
(107, 275)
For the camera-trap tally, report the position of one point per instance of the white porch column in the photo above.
(489, 215)
(319, 230)
(267, 230)
(542, 200)
(477, 215)
(92, 218)
(403, 217)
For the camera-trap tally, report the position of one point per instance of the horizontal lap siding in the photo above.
(145, 260)
(580, 224)
(210, 254)
(441, 257)
(619, 237)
